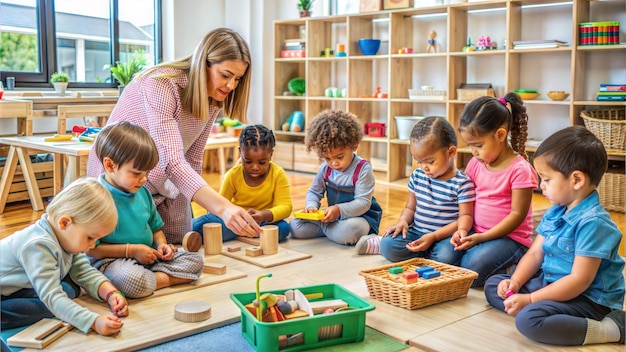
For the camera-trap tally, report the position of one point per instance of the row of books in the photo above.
(611, 92)
(538, 44)
(599, 33)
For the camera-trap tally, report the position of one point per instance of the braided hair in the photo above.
(486, 114)
(257, 136)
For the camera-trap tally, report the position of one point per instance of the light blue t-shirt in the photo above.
(587, 230)
(138, 218)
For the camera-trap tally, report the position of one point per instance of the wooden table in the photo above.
(74, 149)
(220, 142)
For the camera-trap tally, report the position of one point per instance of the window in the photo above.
(80, 38)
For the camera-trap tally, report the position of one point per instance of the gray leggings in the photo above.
(550, 322)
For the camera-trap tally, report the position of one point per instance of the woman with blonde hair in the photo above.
(177, 103)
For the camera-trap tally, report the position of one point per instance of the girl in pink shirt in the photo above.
(496, 130)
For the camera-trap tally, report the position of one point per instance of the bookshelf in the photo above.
(578, 70)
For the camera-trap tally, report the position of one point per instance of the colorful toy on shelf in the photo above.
(485, 43)
(340, 50)
(432, 44)
(297, 86)
(295, 122)
(469, 47)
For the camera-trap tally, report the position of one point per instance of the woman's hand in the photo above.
(107, 325)
(240, 222)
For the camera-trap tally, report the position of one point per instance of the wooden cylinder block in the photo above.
(212, 238)
(192, 311)
(269, 239)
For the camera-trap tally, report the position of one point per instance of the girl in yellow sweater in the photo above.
(256, 184)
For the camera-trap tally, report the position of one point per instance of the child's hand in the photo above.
(504, 287)
(118, 304)
(401, 227)
(166, 252)
(331, 214)
(107, 325)
(516, 302)
(310, 210)
(421, 244)
(462, 243)
(144, 254)
(256, 215)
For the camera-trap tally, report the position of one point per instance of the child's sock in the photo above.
(369, 244)
(606, 330)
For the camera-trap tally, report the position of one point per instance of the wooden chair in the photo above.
(12, 185)
(64, 112)
(100, 111)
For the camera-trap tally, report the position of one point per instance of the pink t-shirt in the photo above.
(493, 195)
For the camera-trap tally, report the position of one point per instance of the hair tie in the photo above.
(502, 100)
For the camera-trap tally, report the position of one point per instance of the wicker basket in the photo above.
(427, 94)
(453, 283)
(609, 125)
(611, 190)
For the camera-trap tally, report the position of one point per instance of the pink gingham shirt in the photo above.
(155, 105)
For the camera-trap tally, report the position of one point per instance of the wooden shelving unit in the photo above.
(576, 69)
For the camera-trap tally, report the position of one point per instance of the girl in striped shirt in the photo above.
(440, 200)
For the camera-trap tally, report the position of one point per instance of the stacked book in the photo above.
(538, 44)
(599, 33)
(293, 48)
(612, 92)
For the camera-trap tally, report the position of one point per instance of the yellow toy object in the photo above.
(58, 137)
(318, 215)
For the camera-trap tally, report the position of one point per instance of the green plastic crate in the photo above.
(264, 335)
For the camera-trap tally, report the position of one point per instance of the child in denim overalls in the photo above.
(346, 179)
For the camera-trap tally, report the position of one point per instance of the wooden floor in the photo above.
(467, 324)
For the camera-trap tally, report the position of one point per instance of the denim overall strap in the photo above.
(336, 194)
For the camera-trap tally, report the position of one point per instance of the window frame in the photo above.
(46, 22)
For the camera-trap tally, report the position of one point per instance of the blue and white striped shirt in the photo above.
(437, 201)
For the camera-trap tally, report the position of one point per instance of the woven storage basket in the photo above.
(609, 125)
(453, 283)
(611, 190)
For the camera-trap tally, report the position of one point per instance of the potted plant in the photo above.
(60, 80)
(123, 73)
(305, 7)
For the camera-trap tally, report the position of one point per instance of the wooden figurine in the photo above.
(432, 44)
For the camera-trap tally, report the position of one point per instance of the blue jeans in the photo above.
(492, 257)
(228, 235)
(550, 322)
(24, 307)
(394, 249)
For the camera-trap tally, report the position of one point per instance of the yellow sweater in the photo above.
(273, 194)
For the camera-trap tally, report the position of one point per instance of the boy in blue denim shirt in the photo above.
(568, 289)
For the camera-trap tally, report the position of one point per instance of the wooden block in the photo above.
(395, 270)
(319, 306)
(410, 275)
(233, 248)
(40, 334)
(431, 274)
(250, 240)
(421, 270)
(254, 252)
(214, 268)
(408, 281)
(192, 311)
(393, 277)
(192, 241)
(297, 314)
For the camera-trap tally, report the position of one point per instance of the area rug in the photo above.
(230, 339)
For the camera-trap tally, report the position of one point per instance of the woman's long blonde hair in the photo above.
(219, 45)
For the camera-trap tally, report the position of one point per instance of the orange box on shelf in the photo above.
(289, 54)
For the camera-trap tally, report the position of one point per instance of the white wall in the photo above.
(185, 22)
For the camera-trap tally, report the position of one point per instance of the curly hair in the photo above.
(331, 129)
(486, 114)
